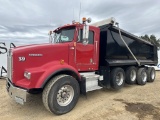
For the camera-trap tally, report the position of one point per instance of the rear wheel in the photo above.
(131, 75)
(151, 74)
(117, 78)
(141, 76)
(61, 94)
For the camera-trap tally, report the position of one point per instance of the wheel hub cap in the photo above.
(152, 74)
(119, 78)
(65, 95)
(133, 75)
(144, 76)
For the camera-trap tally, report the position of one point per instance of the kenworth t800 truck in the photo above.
(78, 59)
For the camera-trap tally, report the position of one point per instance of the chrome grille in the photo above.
(9, 64)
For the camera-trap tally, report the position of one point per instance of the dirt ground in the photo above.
(133, 102)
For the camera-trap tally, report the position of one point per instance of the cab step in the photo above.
(91, 81)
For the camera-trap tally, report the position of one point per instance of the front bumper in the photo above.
(17, 94)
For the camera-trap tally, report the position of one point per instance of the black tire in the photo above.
(151, 74)
(141, 76)
(131, 75)
(117, 78)
(59, 89)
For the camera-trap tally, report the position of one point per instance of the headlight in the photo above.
(27, 75)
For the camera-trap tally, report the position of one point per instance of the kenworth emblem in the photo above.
(35, 55)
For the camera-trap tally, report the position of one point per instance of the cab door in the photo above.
(85, 58)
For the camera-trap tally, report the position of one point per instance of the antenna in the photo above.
(80, 11)
(73, 13)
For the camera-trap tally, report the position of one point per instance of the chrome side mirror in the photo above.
(89, 20)
(85, 34)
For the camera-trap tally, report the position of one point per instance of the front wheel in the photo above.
(61, 94)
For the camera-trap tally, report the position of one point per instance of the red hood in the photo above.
(37, 56)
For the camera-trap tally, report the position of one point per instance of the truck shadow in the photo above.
(34, 102)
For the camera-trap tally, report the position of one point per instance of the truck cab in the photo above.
(82, 55)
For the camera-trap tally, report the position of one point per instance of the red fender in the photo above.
(51, 69)
(41, 75)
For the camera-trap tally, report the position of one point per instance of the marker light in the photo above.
(61, 62)
(84, 19)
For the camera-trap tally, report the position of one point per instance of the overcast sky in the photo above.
(30, 20)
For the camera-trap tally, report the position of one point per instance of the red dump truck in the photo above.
(78, 59)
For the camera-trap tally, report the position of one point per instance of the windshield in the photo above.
(64, 35)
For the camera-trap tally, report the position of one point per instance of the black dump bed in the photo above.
(114, 52)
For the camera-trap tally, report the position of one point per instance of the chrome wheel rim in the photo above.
(65, 95)
(144, 76)
(153, 74)
(119, 78)
(133, 75)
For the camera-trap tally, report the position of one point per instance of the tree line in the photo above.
(152, 39)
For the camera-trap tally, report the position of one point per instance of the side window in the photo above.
(90, 39)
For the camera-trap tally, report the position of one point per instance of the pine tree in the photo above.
(152, 39)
